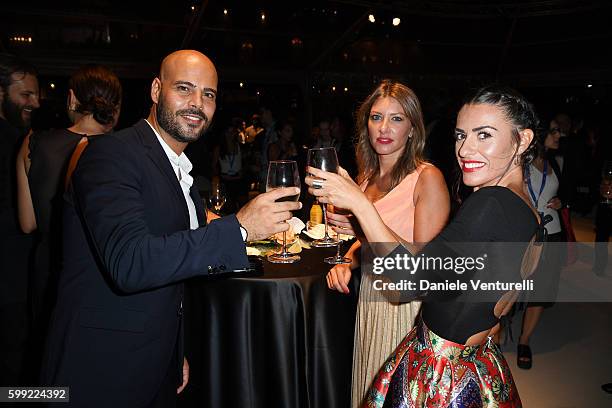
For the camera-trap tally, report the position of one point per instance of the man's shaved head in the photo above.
(177, 58)
(184, 95)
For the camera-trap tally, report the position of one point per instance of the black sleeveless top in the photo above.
(492, 221)
(50, 153)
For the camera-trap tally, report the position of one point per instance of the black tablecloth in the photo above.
(280, 340)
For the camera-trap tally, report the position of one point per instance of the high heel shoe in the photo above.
(524, 358)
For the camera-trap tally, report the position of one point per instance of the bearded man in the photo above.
(18, 99)
(134, 230)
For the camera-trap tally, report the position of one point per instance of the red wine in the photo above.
(288, 198)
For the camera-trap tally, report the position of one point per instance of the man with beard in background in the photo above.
(18, 98)
(134, 230)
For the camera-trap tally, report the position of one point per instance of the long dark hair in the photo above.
(413, 156)
(98, 91)
(541, 135)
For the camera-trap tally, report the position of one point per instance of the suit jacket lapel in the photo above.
(199, 206)
(160, 159)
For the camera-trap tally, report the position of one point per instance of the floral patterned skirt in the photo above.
(428, 371)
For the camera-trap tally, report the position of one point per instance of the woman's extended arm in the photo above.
(430, 198)
(25, 208)
(339, 276)
(341, 191)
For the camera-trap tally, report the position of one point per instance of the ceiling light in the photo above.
(372, 18)
(396, 21)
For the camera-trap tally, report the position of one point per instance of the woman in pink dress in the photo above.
(412, 200)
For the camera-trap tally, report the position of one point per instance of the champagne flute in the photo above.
(217, 198)
(337, 259)
(283, 173)
(324, 158)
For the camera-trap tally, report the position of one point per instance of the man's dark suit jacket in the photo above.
(127, 250)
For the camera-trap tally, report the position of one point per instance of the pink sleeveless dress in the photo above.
(380, 325)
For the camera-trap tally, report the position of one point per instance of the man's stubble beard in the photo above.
(13, 114)
(168, 121)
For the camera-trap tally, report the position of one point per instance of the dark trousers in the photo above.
(14, 315)
(166, 397)
(13, 344)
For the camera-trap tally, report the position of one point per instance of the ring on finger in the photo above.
(318, 183)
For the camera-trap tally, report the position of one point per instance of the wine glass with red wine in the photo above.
(283, 173)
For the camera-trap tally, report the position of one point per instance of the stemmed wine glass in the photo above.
(337, 259)
(217, 198)
(324, 158)
(283, 173)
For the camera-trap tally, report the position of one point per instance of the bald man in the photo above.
(134, 230)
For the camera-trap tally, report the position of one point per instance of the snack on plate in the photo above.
(253, 251)
(295, 227)
(318, 232)
(262, 247)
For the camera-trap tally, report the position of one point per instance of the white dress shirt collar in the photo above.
(181, 166)
(181, 162)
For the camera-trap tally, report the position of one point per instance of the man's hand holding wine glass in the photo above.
(263, 216)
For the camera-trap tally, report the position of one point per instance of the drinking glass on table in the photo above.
(324, 158)
(337, 259)
(283, 173)
(217, 198)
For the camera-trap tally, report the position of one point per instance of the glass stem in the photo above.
(284, 252)
(324, 206)
(338, 247)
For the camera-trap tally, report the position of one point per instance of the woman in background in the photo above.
(284, 147)
(43, 164)
(228, 166)
(543, 178)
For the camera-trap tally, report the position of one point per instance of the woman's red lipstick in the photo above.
(469, 166)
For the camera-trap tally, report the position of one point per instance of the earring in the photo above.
(410, 134)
